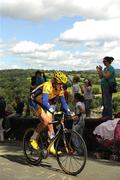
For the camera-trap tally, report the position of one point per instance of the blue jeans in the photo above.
(106, 102)
(79, 126)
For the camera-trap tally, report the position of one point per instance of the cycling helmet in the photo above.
(60, 77)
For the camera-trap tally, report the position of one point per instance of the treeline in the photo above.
(17, 82)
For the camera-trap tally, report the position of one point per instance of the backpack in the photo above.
(117, 132)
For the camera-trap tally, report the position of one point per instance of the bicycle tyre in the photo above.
(74, 156)
(32, 156)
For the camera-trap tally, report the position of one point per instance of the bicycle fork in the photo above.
(65, 143)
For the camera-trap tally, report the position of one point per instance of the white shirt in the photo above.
(78, 106)
(106, 129)
(88, 92)
(75, 89)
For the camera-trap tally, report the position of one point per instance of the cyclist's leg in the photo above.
(47, 118)
(51, 134)
(37, 110)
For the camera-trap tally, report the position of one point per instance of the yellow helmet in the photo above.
(60, 77)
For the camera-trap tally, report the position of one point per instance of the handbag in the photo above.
(112, 87)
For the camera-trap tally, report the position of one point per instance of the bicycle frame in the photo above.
(58, 133)
(71, 160)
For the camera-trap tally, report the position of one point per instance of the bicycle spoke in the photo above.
(32, 156)
(72, 161)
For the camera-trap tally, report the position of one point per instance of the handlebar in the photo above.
(64, 114)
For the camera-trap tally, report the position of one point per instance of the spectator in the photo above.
(105, 137)
(18, 106)
(75, 86)
(38, 79)
(79, 119)
(2, 117)
(66, 93)
(106, 129)
(44, 77)
(2, 107)
(87, 91)
(107, 75)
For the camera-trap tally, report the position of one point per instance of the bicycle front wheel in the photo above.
(72, 158)
(33, 156)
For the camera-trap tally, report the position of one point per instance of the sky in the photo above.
(59, 34)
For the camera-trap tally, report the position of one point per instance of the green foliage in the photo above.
(96, 102)
(116, 103)
(96, 90)
(14, 82)
(17, 82)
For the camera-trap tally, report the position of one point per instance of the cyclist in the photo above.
(40, 104)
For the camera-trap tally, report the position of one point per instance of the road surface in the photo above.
(13, 166)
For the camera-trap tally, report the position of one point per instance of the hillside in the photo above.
(18, 81)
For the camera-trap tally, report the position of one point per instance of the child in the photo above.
(79, 118)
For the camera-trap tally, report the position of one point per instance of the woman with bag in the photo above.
(107, 77)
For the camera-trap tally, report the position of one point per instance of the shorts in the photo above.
(37, 109)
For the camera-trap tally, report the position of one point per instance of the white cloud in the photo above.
(93, 38)
(93, 30)
(99, 38)
(51, 9)
(29, 46)
(33, 57)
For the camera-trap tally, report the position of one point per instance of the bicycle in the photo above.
(70, 147)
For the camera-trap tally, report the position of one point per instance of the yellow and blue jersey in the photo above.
(44, 93)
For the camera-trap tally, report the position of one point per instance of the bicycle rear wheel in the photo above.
(32, 156)
(74, 152)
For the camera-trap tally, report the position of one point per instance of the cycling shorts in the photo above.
(37, 109)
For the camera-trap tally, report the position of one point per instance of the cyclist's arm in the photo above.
(36, 91)
(45, 103)
(64, 104)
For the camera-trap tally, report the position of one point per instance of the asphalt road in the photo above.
(13, 166)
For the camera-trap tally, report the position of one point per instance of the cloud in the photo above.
(84, 44)
(98, 38)
(34, 56)
(93, 30)
(37, 10)
(29, 47)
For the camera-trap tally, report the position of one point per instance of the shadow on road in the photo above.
(15, 158)
(21, 160)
